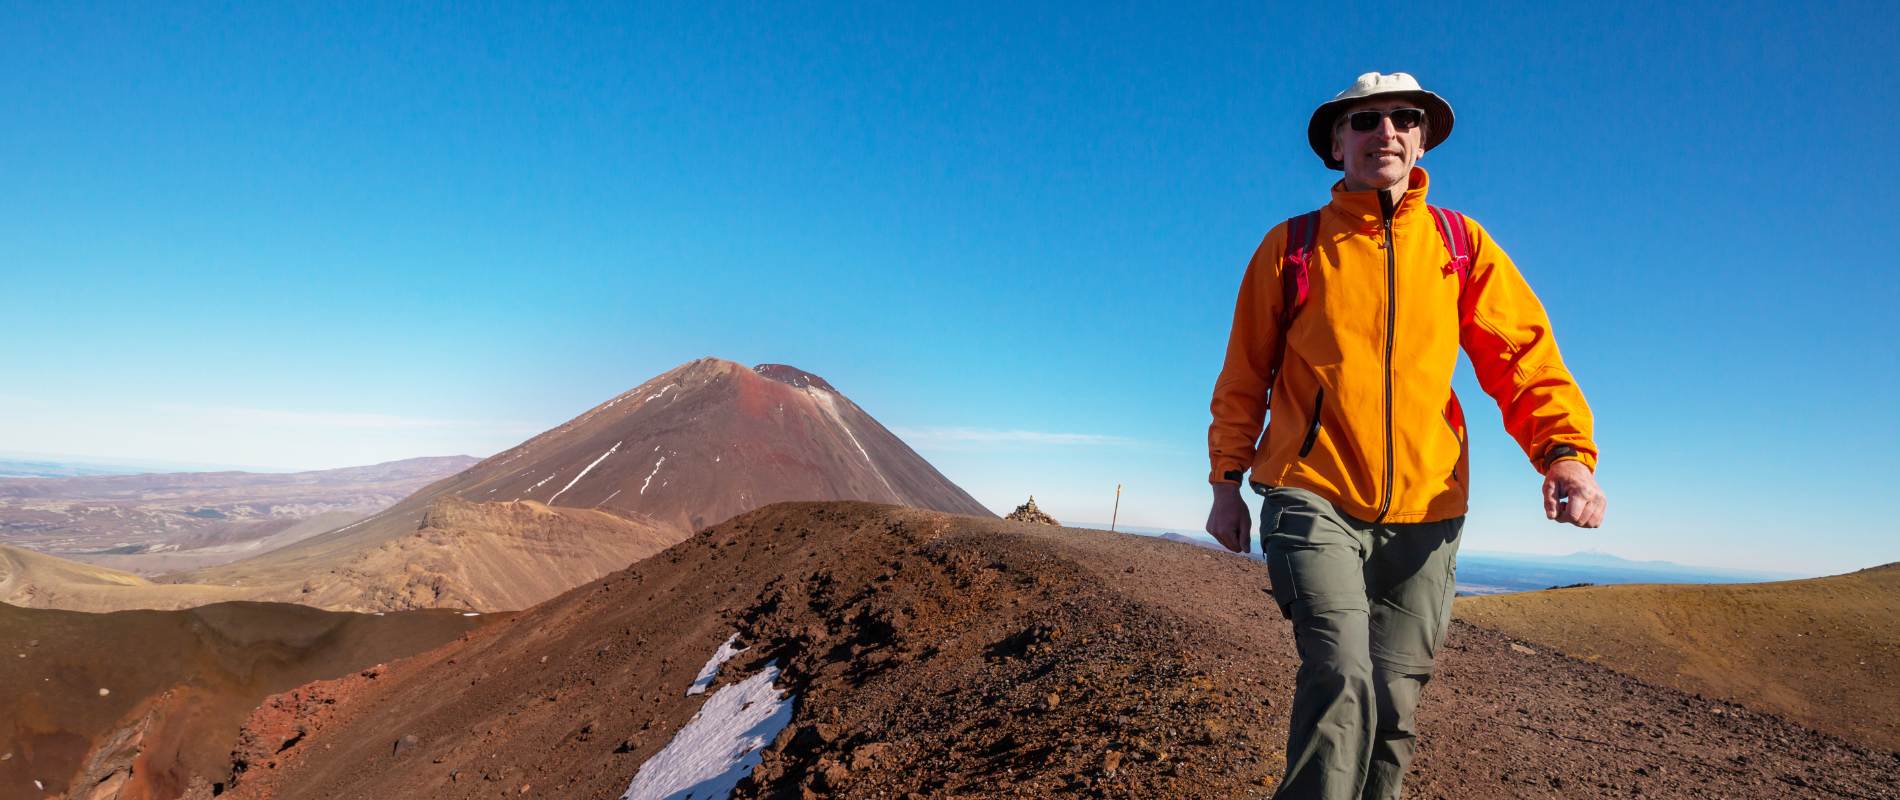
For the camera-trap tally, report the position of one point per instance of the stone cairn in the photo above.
(1028, 512)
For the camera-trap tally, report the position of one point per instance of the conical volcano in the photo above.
(693, 447)
(709, 440)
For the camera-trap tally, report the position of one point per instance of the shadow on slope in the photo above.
(146, 702)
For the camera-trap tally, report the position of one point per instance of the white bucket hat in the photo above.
(1319, 130)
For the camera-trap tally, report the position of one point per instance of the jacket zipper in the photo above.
(1386, 210)
(1312, 428)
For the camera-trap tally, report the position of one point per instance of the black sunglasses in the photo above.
(1403, 119)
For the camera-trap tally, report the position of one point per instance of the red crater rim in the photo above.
(786, 373)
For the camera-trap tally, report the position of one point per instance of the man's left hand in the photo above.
(1570, 479)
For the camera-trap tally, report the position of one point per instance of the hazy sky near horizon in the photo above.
(300, 236)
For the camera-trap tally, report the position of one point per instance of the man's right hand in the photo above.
(1229, 521)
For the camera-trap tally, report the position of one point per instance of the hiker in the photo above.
(1348, 324)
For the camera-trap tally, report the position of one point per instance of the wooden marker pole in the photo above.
(1116, 514)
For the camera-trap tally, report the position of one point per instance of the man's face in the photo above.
(1383, 156)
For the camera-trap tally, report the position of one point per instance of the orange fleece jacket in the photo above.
(1387, 434)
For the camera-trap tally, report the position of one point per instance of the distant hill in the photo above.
(154, 522)
(43, 465)
(38, 468)
(1484, 572)
(1822, 651)
(1186, 539)
(1607, 561)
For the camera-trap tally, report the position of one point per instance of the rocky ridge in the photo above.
(937, 655)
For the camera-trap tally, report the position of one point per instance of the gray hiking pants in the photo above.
(1370, 605)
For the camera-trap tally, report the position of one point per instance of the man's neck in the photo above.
(1394, 193)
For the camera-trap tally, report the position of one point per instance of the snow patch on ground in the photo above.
(609, 499)
(656, 471)
(656, 395)
(616, 401)
(719, 657)
(720, 745)
(584, 471)
(538, 485)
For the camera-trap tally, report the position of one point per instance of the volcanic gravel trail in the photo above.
(935, 655)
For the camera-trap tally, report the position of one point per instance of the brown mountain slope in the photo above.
(37, 580)
(139, 703)
(461, 555)
(486, 556)
(1825, 651)
(163, 561)
(957, 656)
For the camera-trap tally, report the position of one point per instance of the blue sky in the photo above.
(329, 234)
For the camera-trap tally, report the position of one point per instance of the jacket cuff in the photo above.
(1233, 476)
(1564, 452)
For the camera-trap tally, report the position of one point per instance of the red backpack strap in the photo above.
(1302, 236)
(1457, 238)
